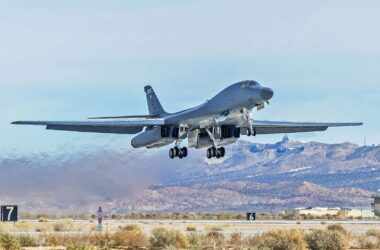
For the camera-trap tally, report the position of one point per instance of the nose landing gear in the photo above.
(216, 152)
(178, 152)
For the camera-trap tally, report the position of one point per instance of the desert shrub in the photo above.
(235, 239)
(213, 228)
(65, 240)
(338, 228)
(27, 241)
(196, 241)
(8, 242)
(191, 229)
(215, 238)
(63, 226)
(130, 236)
(374, 233)
(281, 240)
(325, 240)
(42, 219)
(164, 238)
(51, 240)
(367, 242)
(103, 241)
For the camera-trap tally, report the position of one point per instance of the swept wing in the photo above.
(114, 126)
(275, 127)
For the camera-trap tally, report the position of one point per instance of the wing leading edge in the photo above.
(273, 127)
(113, 127)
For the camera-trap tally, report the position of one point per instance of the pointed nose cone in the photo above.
(266, 93)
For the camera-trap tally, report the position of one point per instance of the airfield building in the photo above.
(325, 211)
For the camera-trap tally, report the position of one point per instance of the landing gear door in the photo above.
(192, 137)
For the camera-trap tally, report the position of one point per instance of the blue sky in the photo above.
(74, 59)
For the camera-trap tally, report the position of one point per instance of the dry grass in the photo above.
(66, 234)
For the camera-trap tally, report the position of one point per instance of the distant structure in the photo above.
(99, 214)
(323, 211)
(376, 204)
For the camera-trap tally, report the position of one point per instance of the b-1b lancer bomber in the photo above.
(217, 122)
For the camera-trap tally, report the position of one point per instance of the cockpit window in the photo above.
(249, 84)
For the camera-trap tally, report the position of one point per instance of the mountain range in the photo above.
(252, 176)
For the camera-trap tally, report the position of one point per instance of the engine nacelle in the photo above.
(224, 135)
(229, 131)
(155, 137)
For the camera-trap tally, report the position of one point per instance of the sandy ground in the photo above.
(225, 227)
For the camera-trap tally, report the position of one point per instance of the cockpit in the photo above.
(249, 84)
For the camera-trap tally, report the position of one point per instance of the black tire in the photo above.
(176, 151)
(217, 155)
(171, 153)
(213, 151)
(222, 151)
(209, 156)
(184, 151)
(180, 155)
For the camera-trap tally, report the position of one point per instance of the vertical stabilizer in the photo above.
(154, 106)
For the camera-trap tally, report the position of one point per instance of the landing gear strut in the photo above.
(178, 152)
(251, 132)
(216, 152)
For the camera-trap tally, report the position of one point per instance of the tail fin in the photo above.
(154, 106)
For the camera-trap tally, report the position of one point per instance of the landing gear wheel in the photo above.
(180, 155)
(176, 151)
(213, 151)
(222, 151)
(171, 153)
(216, 152)
(184, 151)
(209, 155)
(218, 155)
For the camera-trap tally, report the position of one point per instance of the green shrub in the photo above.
(8, 242)
(196, 241)
(27, 241)
(191, 229)
(325, 240)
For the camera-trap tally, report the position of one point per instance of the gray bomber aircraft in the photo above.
(217, 122)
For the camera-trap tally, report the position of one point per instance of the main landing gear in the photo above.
(178, 152)
(216, 152)
(251, 132)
